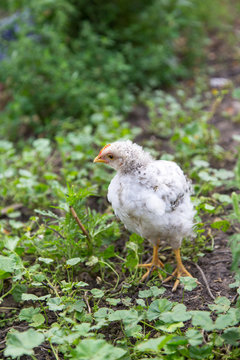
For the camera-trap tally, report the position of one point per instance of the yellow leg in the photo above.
(155, 264)
(179, 271)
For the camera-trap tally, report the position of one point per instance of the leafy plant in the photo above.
(22, 343)
(76, 58)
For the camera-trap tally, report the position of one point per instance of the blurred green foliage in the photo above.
(74, 58)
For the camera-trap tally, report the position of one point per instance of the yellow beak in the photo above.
(98, 159)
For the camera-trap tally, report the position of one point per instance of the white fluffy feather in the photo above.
(151, 198)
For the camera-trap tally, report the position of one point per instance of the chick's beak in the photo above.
(98, 159)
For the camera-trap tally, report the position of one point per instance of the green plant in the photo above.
(76, 58)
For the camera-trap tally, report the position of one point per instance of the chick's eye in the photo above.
(110, 156)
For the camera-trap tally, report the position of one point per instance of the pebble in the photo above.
(220, 83)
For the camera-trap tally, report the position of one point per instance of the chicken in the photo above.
(152, 198)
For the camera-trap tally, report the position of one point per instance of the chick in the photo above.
(152, 198)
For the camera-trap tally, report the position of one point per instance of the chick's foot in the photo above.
(178, 272)
(150, 268)
(154, 265)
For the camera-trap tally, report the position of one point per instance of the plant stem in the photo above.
(54, 351)
(115, 272)
(56, 232)
(85, 232)
(146, 324)
(9, 292)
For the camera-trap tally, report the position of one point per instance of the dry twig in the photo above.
(205, 280)
(234, 299)
(74, 214)
(87, 302)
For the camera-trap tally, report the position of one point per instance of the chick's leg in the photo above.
(155, 264)
(179, 271)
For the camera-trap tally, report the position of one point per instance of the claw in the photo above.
(154, 265)
(150, 268)
(178, 272)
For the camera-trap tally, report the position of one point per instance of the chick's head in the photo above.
(123, 155)
(109, 155)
